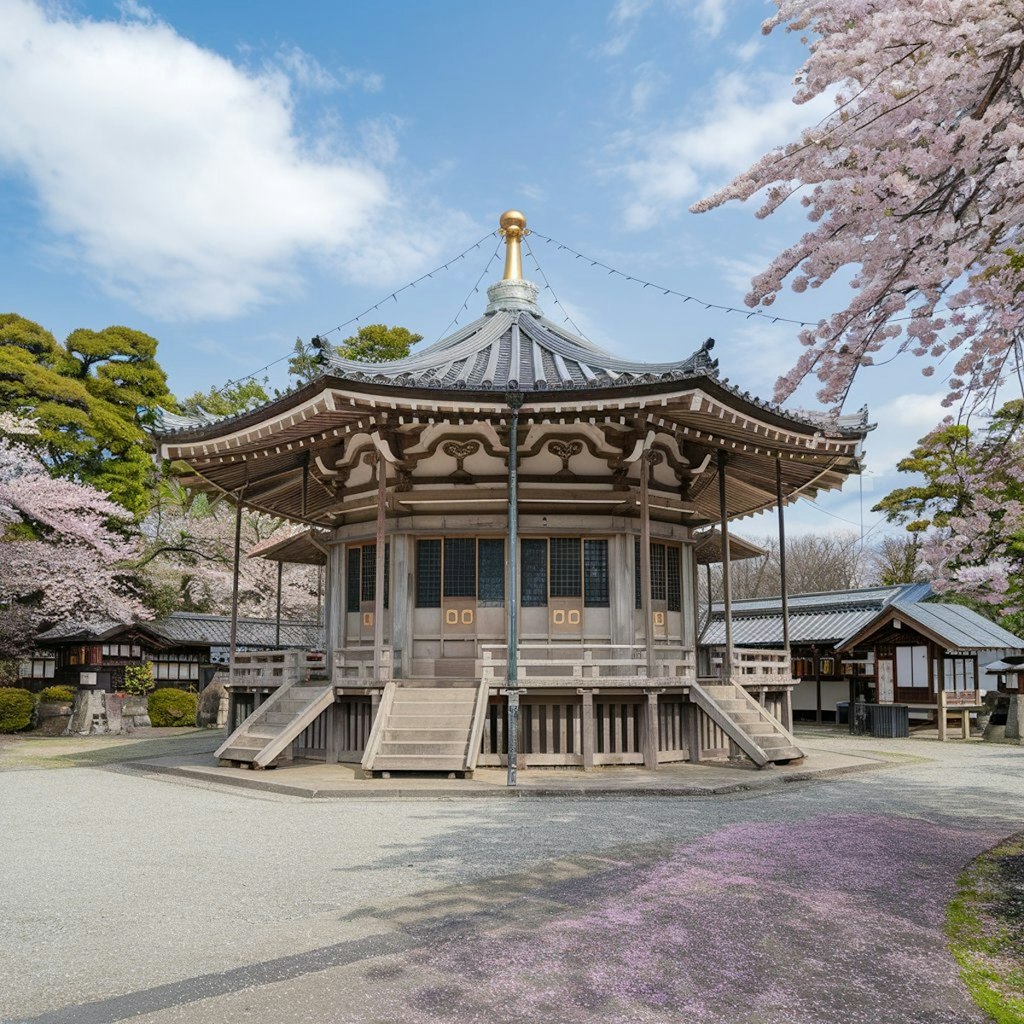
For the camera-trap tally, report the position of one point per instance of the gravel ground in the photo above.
(166, 901)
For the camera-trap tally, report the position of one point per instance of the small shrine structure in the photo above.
(509, 521)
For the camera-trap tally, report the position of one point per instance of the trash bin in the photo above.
(890, 721)
(842, 712)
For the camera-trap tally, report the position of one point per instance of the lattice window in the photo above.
(666, 581)
(658, 588)
(459, 567)
(491, 562)
(364, 575)
(534, 586)
(637, 588)
(565, 567)
(673, 570)
(352, 578)
(595, 573)
(369, 584)
(428, 574)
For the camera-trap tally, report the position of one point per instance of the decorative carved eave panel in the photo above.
(571, 441)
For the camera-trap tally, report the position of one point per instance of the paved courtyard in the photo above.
(164, 899)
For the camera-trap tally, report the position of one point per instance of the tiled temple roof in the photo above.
(522, 350)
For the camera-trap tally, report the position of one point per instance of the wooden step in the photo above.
(240, 753)
(455, 749)
(419, 763)
(435, 694)
(423, 735)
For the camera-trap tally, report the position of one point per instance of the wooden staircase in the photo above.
(269, 731)
(427, 727)
(757, 732)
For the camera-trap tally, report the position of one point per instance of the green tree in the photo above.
(233, 398)
(91, 399)
(944, 458)
(374, 343)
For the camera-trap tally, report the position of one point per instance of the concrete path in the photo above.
(166, 899)
(311, 779)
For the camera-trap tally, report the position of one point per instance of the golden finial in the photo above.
(512, 225)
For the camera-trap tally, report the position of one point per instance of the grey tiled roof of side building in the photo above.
(827, 617)
(961, 628)
(197, 629)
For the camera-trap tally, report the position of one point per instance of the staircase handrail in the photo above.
(256, 716)
(373, 742)
(313, 709)
(725, 722)
(764, 712)
(476, 732)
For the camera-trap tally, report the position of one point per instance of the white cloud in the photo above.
(746, 116)
(709, 15)
(623, 18)
(649, 80)
(177, 178)
(305, 70)
(902, 421)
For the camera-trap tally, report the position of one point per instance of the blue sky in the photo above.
(230, 176)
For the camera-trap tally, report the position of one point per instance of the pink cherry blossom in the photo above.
(914, 183)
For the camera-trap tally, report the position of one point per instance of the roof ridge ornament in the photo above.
(512, 227)
(513, 292)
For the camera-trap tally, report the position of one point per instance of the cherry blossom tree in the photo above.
(66, 550)
(915, 185)
(189, 558)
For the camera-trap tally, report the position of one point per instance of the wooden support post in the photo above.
(378, 593)
(334, 727)
(787, 708)
(277, 630)
(941, 715)
(817, 684)
(693, 751)
(782, 560)
(651, 731)
(727, 664)
(587, 728)
(645, 565)
(234, 591)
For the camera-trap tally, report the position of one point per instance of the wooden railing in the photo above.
(752, 666)
(567, 664)
(272, 668)
(357, 663)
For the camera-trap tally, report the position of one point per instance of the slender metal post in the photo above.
(277, 631)
(726, 581)
(515, 401)
(234, 591)
(378, 583)
(645, 566)
(782, 556)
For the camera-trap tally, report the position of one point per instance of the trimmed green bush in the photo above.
(57, 694)
(138, 679)
(15, 709)
(169, 706)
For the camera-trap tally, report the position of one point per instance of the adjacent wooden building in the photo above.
(514, 480)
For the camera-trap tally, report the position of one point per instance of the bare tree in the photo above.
(815, 562)
(896, 560)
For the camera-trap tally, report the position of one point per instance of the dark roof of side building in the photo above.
(193, 629)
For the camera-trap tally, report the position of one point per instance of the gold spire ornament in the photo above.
(512, 226)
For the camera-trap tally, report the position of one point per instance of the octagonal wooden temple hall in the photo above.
(512, 482)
